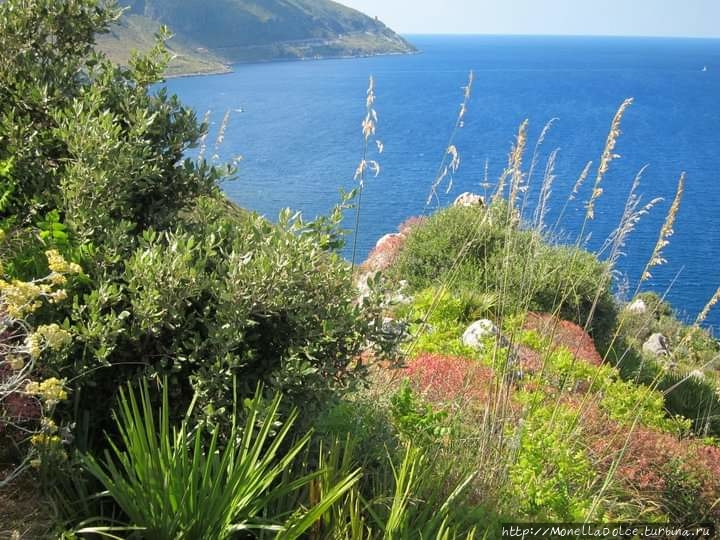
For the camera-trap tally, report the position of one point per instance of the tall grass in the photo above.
(497, 421)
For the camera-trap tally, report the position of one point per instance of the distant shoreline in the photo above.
(230, 68)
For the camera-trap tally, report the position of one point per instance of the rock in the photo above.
(362, 284)
(637, 307)
(399, 297)
(389, 238)
(393, 328)
(385, 252)
(478, 331)
(469, 199)
(656, 344)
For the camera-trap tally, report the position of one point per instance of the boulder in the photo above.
(469, 199)
(479, 331)
(399, 297)
(656, 344)
(637, 307)
(389, 238)
(362, 285)
(393, 328)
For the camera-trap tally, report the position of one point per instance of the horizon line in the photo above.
(492, 34)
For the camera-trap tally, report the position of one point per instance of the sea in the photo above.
(295, 128)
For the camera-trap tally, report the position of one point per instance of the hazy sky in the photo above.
(697, 18)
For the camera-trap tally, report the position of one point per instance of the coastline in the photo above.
(230, 68)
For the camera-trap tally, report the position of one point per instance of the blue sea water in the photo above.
(297, 127)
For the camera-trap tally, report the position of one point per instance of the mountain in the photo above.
(210, 34)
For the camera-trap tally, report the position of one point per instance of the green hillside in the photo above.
(211, 34)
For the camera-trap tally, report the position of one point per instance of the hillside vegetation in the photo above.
(208, 35)
(173, 366)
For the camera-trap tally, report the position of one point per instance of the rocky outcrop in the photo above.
(475, 334)
(657, 345)
(637, 307)
(469, 199)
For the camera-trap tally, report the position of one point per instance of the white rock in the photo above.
(656, 344)
(638, 307)
(362, 284)
(386, 238)
(394, 328)
(478, 331)
(469, 199)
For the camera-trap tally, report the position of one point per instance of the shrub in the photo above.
(551, 476)
(486, 251)
(686, 395)
(179, 282)
(690, 345)
(263, 303)
(655, 469)
(29, 390)
(415, 419)
(450, 379)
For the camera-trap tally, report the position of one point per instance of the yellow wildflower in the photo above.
(50, 390)
(43, 439)
(57, 278)
(16, 362)
(20, 297)
(54, 336)
(58, 264)
(32, 344)
(48, 425)
(58, 296)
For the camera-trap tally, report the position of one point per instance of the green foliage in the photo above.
(87, 138)
(178, 281)
(686, 394)
(406, 502)
(486, 251)
(171, 485)
(551, 475)
(364, 421)
(439, 317)
(415, 419)
(625, 401)
(445, 307)
(690, 345)
(682, 501)
(238, 296)
(440, 340)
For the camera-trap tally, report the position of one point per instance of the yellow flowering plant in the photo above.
(27, 399)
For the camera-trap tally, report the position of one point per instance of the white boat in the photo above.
(704, 68)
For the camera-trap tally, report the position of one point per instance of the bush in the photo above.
(179, 282)
(686, 394)
(29, 390)
(487, 251)
(551, 475)
(263, 303)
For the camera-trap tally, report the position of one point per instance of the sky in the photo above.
(687, 18)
